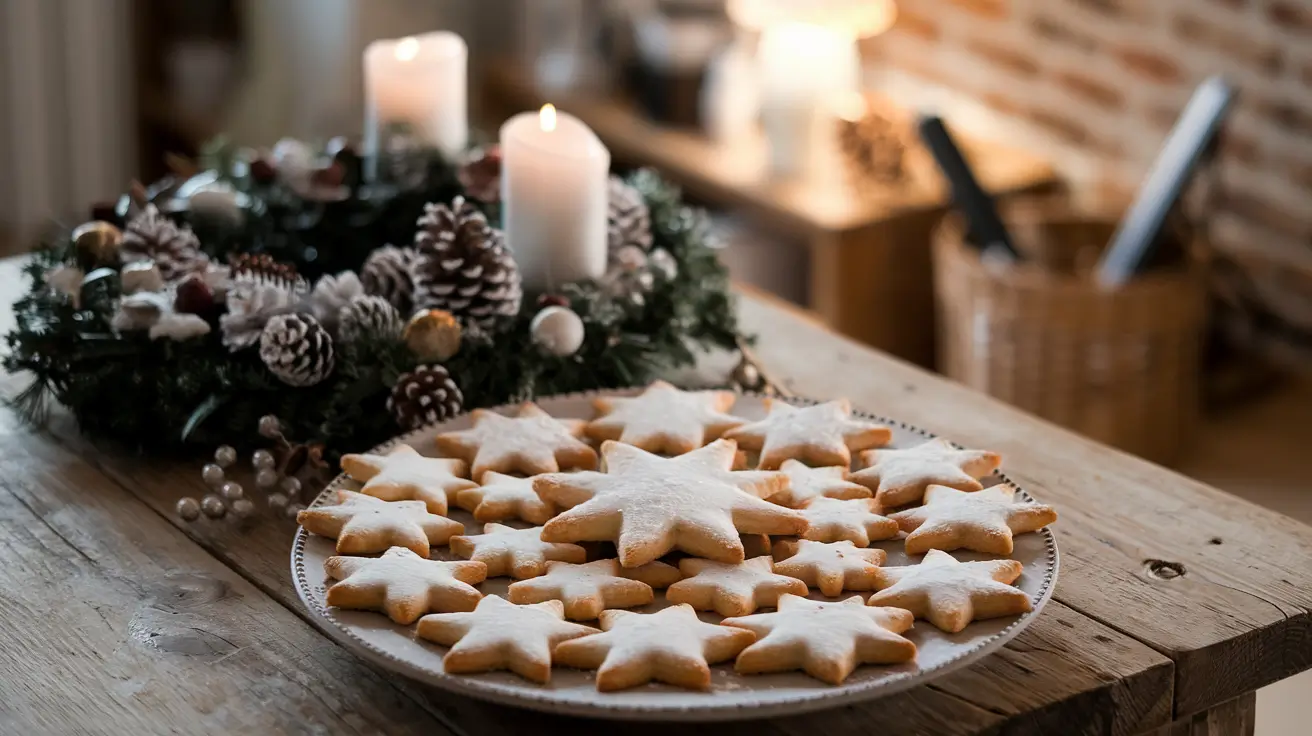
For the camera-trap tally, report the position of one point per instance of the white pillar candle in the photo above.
(804, 70)
(418, 81)
(554, 177)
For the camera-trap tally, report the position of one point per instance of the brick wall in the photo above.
(1096, 85)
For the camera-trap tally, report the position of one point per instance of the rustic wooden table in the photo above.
(1175, 601)
(868, 248)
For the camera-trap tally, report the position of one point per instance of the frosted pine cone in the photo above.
(462, 265)
(628, 219)
(253, 298)
(152, 236)
(426, 395)
(386, 273)
(332, 293)
(368, 316)
(297, 349)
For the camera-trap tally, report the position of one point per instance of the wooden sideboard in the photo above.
(868, 249)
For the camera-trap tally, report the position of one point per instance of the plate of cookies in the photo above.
(663, 554)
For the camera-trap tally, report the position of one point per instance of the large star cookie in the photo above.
(832, 567)
(363, 524)
(824, 434)
(671, 646)
(859, 521)
(404, 474)
(403, 585)
(806, 483)
(648, 505)
(664, 419)
(519, 553)
(731, 590)
(983, 521)
(588, 589)
(503, 497)
(900, 477)
(499, 635)
(951, 594)
(529, 443)
(826, 640)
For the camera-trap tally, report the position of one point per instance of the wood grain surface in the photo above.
(1174, 598)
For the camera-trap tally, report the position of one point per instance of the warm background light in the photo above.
(860, 18)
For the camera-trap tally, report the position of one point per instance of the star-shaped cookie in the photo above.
(403, 585)
(499, 635)
(806, 483)
(900, 477)
(648, 505)
(503, 497)
(363, 524)
(983, 521)
(824, 434)
(529, 443)
(731, 590)
(671, 646)
(664, 419)
(404, 474)
(951, 594)
(588, 589)
(832, 567)
(859, 521)
(519, 553)
(826, 640)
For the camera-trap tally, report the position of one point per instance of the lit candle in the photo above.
(419, 82)
(554, 195)
(805, 69)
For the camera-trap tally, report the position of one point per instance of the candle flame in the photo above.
(407, 49)
(547, 118)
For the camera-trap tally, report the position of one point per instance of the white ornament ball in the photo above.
(232, 491)
(218, 201)
(261, 459)
(188, 509)
(242, 508)
(291, 486)
(213, 506)
(225, 456)
(294, 509)
(212, 474)
(663, 264)
(557, 330)
(294, 160)
(277, 502)
(266, 478)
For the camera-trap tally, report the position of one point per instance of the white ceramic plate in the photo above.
(572, 692)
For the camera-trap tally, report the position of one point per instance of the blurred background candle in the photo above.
(554, 191)
(417, 82)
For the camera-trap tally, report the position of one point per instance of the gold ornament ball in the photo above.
(433, 335)
(98, 241)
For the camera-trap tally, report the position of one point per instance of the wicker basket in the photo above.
(1121, 366)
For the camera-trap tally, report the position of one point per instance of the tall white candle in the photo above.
(418, 81)
(805, 69)
(554, 176)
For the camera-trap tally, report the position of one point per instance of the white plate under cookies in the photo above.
(572, 692)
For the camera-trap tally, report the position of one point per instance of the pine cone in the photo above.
(297, 349)
(424, 396)
(368, 316)
(386, 273)
(253, 298)
(628, 218)
(462, 265)
(332, 293)
(152, 236)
